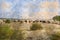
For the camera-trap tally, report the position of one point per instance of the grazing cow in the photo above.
(26, 21)
(48, 21)
(29, 21)
(43, 21)
(1, 21)
(21, 21)
(33, 21)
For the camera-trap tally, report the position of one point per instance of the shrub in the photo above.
(7, 21)
(36, 26)
(56, 18)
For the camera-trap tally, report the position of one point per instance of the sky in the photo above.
(29, 9)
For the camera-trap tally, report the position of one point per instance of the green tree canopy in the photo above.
(56, 18)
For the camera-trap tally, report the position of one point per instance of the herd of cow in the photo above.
(31, 21)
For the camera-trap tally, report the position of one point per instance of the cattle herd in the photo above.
(31, 21)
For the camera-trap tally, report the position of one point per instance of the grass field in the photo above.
(29, 31)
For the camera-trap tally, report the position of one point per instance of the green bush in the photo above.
(36, 26)
(56, 18)
(7, 21)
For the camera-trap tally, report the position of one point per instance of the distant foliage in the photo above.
(56, 18)
(36, 26)
(7, 21)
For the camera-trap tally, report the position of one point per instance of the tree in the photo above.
(56, 18)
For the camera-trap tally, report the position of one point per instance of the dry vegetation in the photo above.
(29, 31)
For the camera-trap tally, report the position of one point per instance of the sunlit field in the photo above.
(24, 30)
(29, 19)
